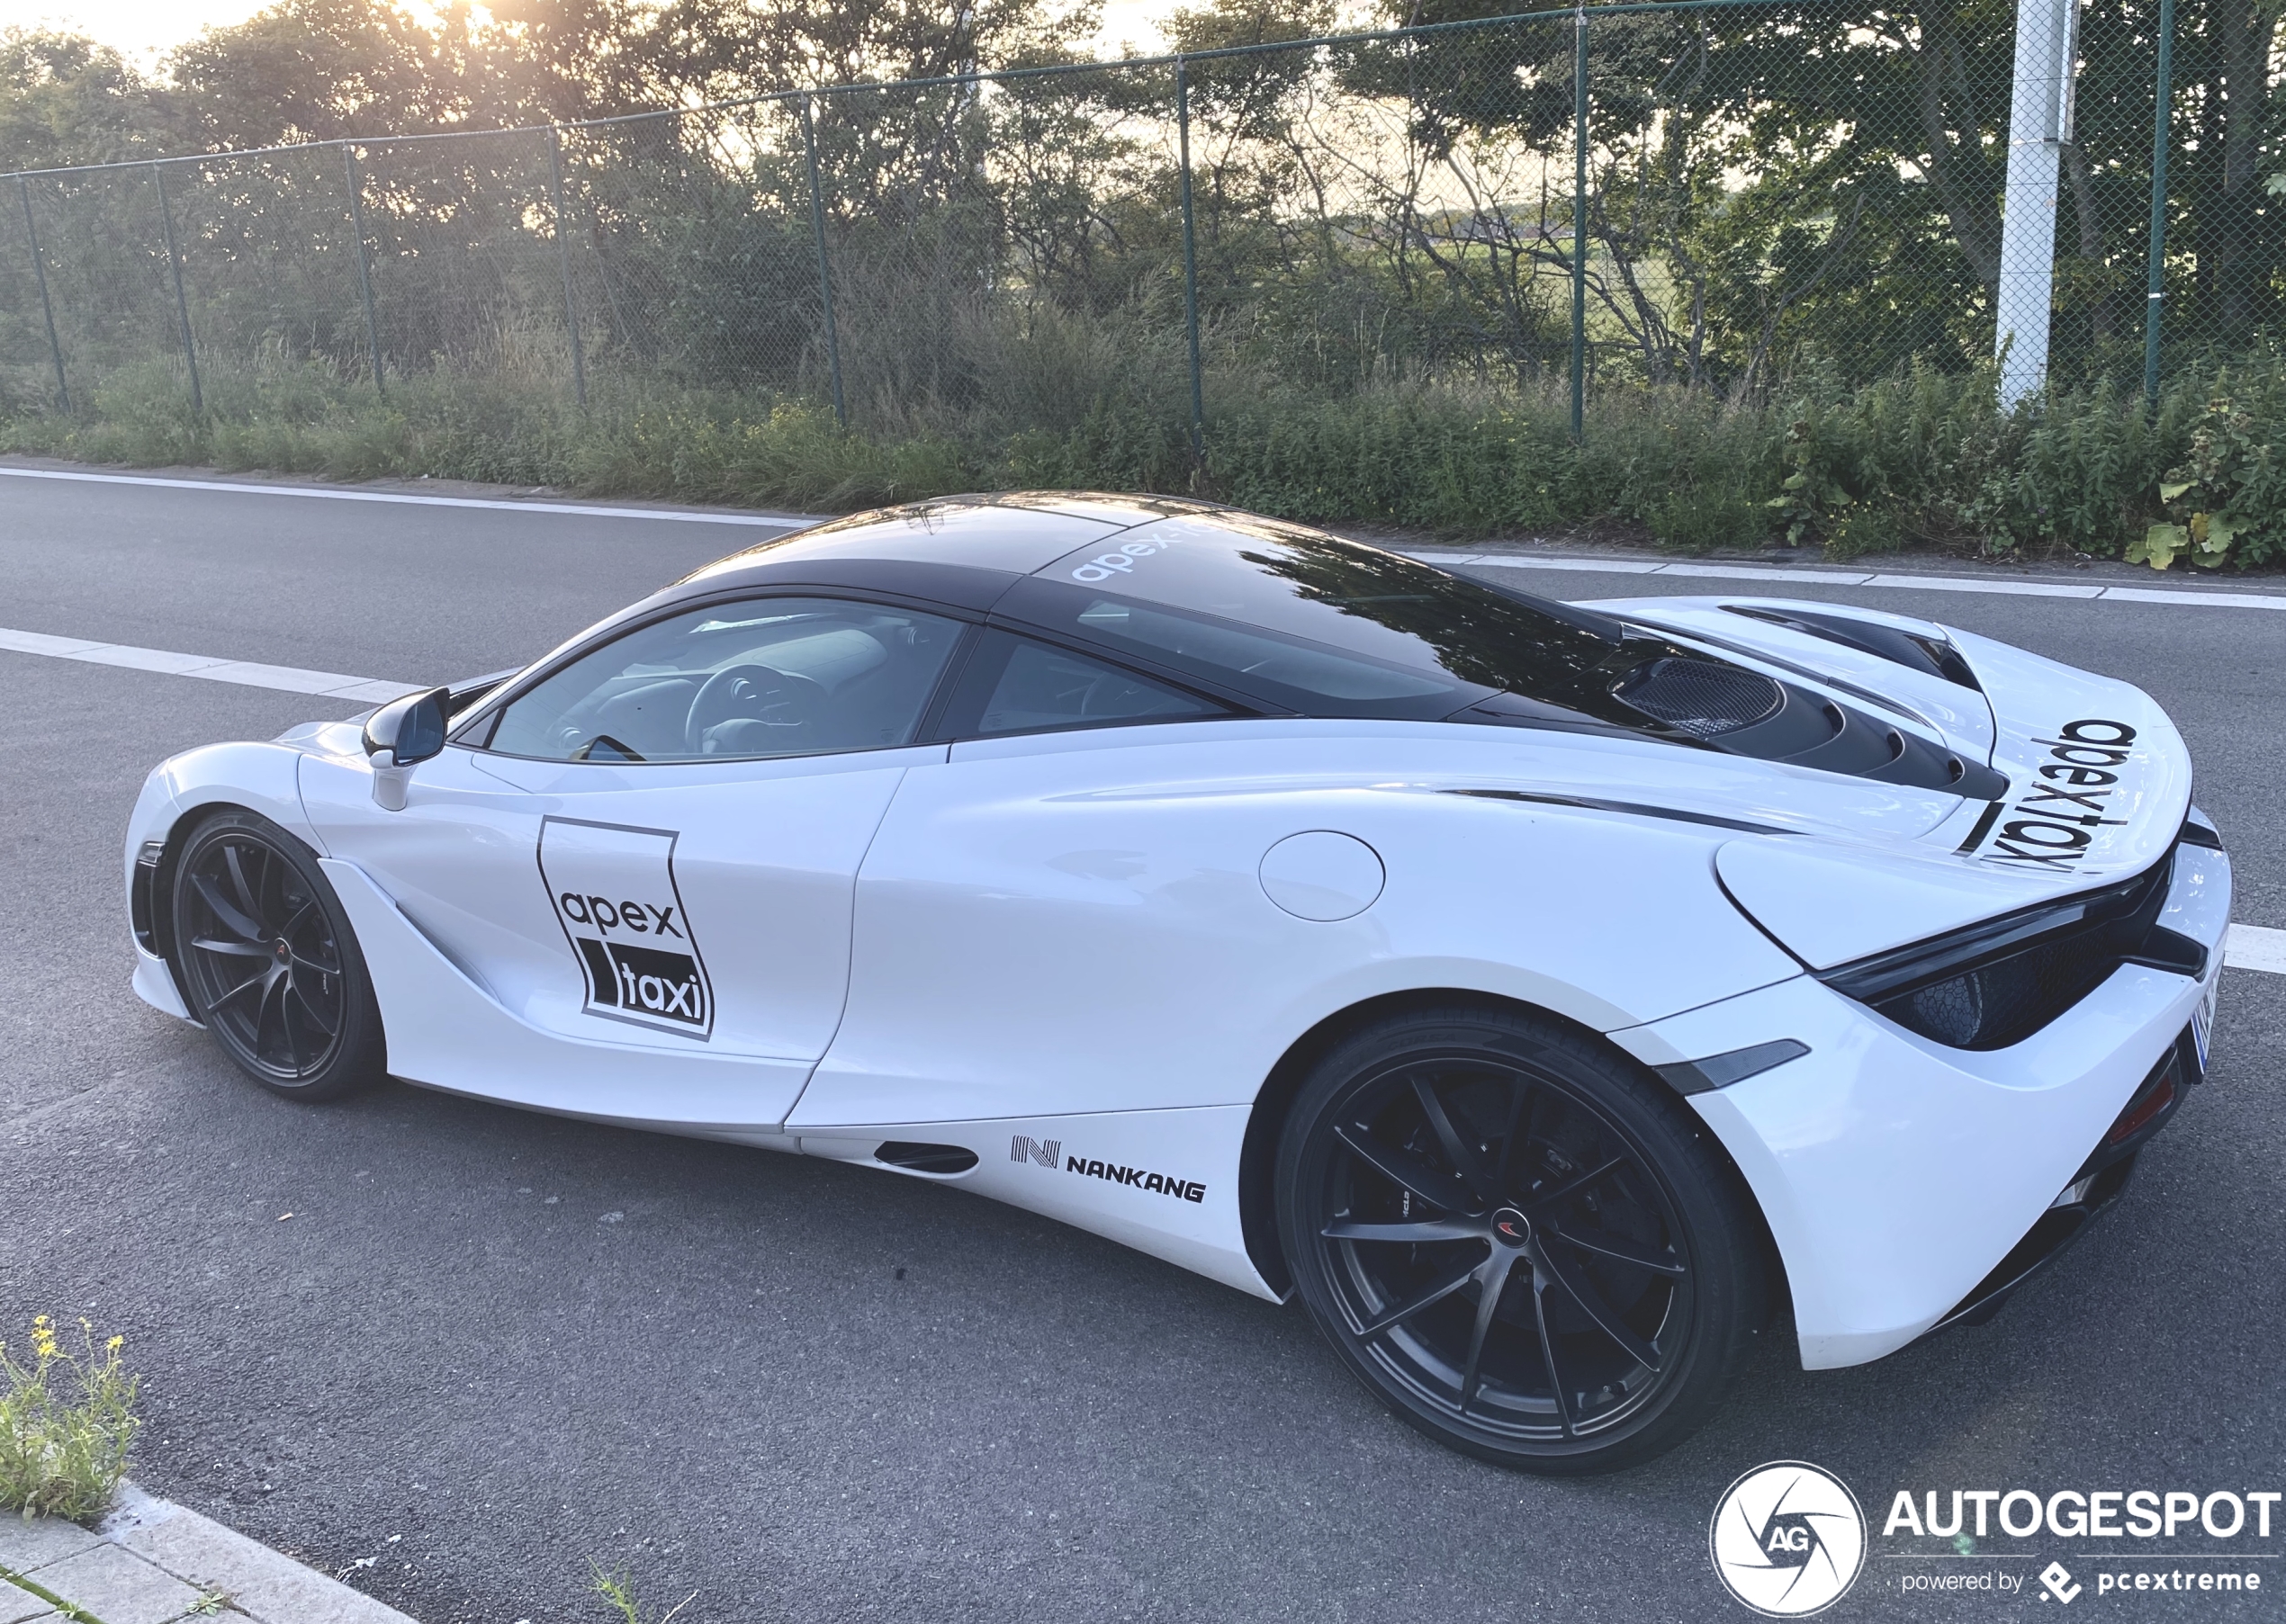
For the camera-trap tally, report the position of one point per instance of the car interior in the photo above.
(773, 677)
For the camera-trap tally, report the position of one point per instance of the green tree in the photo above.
(315, 70)
(67, 100)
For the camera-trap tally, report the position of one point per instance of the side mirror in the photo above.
(400, 735)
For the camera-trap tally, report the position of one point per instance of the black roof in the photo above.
(1291, 621)
(963, 551)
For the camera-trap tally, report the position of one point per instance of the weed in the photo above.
(67, 1422)
(61, 1609)
(2227, 500)
(618, 1591)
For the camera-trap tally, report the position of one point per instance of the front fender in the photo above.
(264, 779)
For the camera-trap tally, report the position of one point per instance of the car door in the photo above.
(654, 847)
(1026, 916)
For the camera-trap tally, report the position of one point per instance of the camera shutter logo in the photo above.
(1787, 1540)
(613, 891)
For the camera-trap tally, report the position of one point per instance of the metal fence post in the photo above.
(182, 305)
(39, 275)
(2156, 299)
(563, 259)
(1190, 265)
(824, 263)
(364, 272)
(1578, 221)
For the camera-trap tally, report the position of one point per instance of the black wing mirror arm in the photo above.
(401, 736)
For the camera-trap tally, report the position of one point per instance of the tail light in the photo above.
(1997, 981)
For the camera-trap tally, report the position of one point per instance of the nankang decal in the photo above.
(613, 890)
(2052, 821)
(1022, 1148)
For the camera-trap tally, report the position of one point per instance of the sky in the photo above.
(144, 30)
(141, 29)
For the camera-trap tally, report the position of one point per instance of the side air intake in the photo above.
(926, 1158)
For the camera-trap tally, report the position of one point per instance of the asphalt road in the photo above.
(488, 1347)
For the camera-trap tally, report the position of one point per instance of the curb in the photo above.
(153, 1562)
(1906, 577)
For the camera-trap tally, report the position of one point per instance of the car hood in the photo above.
(2099, 784)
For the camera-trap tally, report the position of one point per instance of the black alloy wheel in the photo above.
(268, 959)
(1519, 1240)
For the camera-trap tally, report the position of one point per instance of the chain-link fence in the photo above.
(1713, 194)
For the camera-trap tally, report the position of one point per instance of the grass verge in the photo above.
(1924, 459)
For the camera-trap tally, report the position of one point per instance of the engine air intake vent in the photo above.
(1699, 697)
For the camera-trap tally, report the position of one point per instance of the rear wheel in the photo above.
(1524, 1245)
(268, 959)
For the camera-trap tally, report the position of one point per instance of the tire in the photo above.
(1470, 1199)
(267, 956)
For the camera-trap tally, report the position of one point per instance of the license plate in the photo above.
(2202, 1021)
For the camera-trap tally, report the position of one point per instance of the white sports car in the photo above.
(1548, 995)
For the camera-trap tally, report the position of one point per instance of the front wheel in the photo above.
(267, 955)
(1523, 1244)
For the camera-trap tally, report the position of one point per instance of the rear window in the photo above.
(1041, 688)
(1320, 625)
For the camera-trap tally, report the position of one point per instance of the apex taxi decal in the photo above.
(613, 890)
(2057, 814)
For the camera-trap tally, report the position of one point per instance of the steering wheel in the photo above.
(758, 692)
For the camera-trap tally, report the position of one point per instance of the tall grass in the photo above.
(1925, 458)
(67, 1422)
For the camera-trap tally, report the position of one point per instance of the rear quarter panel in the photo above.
(1079, 924)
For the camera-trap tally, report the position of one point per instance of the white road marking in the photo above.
(207, 667)
(2256, 948)
(2236, 600)
(1740, 572)
(671, 514)
(1954, 583)
(1853, 578)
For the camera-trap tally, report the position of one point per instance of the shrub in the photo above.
(1923, 458)
(67, 1422)
(2226, 500)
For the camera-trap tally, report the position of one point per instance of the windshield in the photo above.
(1324, 626)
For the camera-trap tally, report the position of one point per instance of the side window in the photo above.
(768, 676)
(1016, 686)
